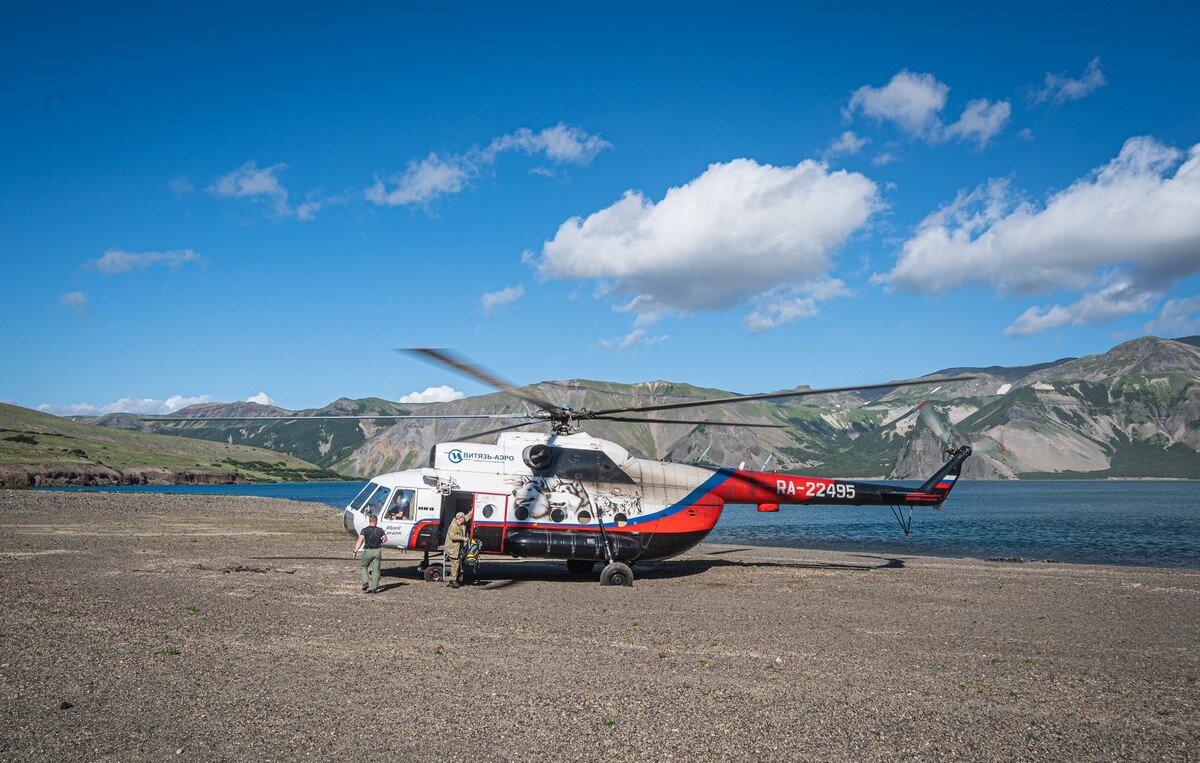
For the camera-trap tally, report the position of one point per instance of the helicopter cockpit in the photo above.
(411, 517)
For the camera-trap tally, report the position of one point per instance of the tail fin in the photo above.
(944, 479)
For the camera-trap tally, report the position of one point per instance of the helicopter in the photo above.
(564, 494)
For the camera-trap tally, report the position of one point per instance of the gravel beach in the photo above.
(142, 626)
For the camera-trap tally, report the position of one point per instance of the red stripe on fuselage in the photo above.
(767, 487)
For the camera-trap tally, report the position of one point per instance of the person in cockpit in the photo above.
(401, 506)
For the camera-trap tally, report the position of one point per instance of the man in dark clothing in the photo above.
(370, 542)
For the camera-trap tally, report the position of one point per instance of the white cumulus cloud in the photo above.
(493, 300)
(145, 406)
(1059, 88)
(911, 101)
(116, 261)
(76, 302)
(425, 180)
(1133, 213)
(737, 230)
(262, 398)
(442, 394)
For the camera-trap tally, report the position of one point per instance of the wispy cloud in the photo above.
(146, 406)
(1178, 317)
(981, 121)
(1059, 88)
(181, 185)
(76, 302)
(262, 185)
(494, 300)
(639, 337)
(846, 144)
(1120, 297)
(424, 180)
(914, 102)
(116, 261)
(793, 303)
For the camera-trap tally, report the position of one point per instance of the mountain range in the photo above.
(1131, 412)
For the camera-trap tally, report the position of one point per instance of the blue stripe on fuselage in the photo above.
(717, 479)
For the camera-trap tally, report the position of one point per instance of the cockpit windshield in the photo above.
(362, 496)
(378, 501)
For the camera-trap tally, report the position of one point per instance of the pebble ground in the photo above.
(140, 626)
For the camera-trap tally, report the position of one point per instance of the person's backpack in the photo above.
(472, 556)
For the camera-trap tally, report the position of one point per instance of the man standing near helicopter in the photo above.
(370, 542)
(456, 538)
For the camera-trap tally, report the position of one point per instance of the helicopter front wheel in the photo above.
(616, 573)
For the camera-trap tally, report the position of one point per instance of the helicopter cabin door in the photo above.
(489, 521)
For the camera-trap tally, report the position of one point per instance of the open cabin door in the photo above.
(489, 521)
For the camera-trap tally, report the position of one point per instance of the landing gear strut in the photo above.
(614, 573)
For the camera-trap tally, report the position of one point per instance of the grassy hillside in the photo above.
(37, 448)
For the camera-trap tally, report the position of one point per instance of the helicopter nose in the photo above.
(348, 522)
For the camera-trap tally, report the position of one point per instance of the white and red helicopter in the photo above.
(564, 494)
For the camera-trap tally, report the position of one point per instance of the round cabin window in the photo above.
(521, 513)
(621, 518)
(584, 517)
(558, 515)
(489, 510)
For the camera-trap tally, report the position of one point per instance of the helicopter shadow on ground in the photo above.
(555, 571)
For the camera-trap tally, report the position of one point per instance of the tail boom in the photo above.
(768, 489)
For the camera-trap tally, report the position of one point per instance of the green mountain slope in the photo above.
(324, 442)
(1133, 411)
(39, 449)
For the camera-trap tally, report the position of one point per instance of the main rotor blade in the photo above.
(340, 416)
(779, 395)
(464, 366)
(633, 420)
(494, 431)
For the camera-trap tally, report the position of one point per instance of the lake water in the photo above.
(1103, 522)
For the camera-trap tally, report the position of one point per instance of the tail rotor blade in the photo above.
(938, 425)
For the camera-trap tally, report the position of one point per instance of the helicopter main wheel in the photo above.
(580, 566)
(433, 573)
(616, 574)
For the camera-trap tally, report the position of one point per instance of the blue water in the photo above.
(1101, 522)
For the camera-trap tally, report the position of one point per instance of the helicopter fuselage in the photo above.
(566, 496)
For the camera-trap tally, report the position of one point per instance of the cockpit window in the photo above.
(361, 498)
(402, 504)
(378, 501)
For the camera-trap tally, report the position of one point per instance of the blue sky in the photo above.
(215, 202)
